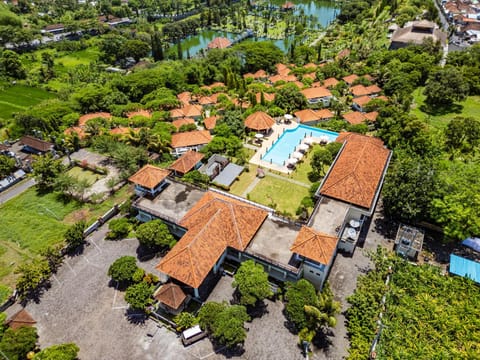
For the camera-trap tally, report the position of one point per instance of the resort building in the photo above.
(190, 140)
(191, 160)
(259, 121)
(416, 32)
(36, 146)
(311, 117)
(149, 180)
(214, 226)
(317, 95)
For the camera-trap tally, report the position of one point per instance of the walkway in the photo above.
(251, 187)
(16, 190)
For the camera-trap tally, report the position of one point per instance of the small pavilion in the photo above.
(259, 121)
(149, 180)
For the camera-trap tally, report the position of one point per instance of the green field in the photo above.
(467, 108)
(82, 57)
(31, 222)
(18, 97)
(270, 191)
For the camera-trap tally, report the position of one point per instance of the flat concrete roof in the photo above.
(228, 175)
(173, 202)
(329, 216)
(273, 240)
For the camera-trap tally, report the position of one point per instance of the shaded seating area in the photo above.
(259, 121)
(149, 180)
(171, 298)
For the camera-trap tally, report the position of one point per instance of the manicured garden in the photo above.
(270, 191)
(468, 108)
(84, 174)
(32, 221)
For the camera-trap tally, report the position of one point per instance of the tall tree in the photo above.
(154, 233)
(251, 282)
(46, 169)
(58, 352)
(445, 86)
(7, 165)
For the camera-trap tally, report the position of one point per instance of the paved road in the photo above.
(16, 190)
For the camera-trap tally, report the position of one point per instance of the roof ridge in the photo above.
(239, 237)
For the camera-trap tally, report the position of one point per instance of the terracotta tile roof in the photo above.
(186, 162)
(315, 245)
(290, 78)
(191, 138)
(187, 111)
(310, 66)
(214, 223)
(354, 117)
(316, 84)
(299, 84)
(123, 130)
(149, 176)
(282, 69)
(210, 122)
(267, 96)
(369, 77)
(171, 295)
(362, 100)
(372, 116)
(21, 318)
(259, 121)
(82, 121)
(185, 97)
(315, 93)
(183, 121)
(75, 129)
(145, 113)
(276, 78)
(346, 135)
(37, 144)
(311, 75)
(373, 89)
(307, 115)
(359, 90)
(350, 78)
(219, 43)
(325, 114)
(382, 97)
(248, 75)
(357, 171)
(206, 100)
(260, 74)
(288, 5)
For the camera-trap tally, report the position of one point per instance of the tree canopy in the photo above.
(251, 282)
(154, 233)
(58, 352)
(123, 269)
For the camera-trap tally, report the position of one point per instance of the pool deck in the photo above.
(277, 131)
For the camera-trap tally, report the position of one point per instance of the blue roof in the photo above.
(464, 267)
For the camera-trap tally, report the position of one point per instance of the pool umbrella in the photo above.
(309, 140)
(292, 161)
(259, 136)
(303, 147)
(297, 155)
(288, 116)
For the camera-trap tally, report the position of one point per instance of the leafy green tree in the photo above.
(67, 351)
(123, 269)
(208, 313)
(290, 98)
(10, 65)
(228, 327)
(196, 177)
(298, 295)
(260, 55)
(119, 228)
(154, 233)
(139, 296)
(444, 87)
(234, 121)
(7, 165)
(16, 344)
(462, 135)
(135, 48)
(46, 170)
(32, 276)
(251, 281)
(53, 255)
(185, 320)
(321, 159)
(74, 236)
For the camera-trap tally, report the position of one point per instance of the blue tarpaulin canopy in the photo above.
(473, 243)
(464, 267)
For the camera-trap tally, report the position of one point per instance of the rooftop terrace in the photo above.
(329, 216)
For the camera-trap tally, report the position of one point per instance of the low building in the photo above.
(219, 43)
(191, 160)
(221, 171)
(21, 318)
(416, 33)
(210, 122)
(192, 111)
(190, 140)
(35, 146)
(179, 122)
(409, 241)
(350, 79)
(171, 298)
(149, 180)
(259, 121)
(317, 95)
(312, 117)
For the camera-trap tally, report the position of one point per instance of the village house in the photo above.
(35, 146)
(318, 95)
(191, 160)
(415, 33)
(190, 140)
(312, 117)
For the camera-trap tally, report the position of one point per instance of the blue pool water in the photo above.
(285, 145)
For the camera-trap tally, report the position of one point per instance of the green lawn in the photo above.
(18, 97)
(244, 180)
(31, 222)
(281, 194)
(82, 57)
(84, 174)
(469, 107)
(303, 168)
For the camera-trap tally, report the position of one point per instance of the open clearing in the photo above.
(17, 98)
(31, 222)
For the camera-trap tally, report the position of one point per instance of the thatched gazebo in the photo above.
(259, 121)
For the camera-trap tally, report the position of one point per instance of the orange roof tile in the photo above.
(330, 82)
(260, 74)
(315, 93)
(282, 69)
(307, 115)
(219, 43)
(276, 78)
(145, 113)
(311, 75)
(259, 121)
(149, 176)
(171, 295)
(187, 111)
(82, 121)
(362, 100)
(350, 78)
(354, 117)
(325, 114)
(357, 171)
(316, 84)
(299, 84)
(206, 100)
(373, 89)
(372, 116)
(347, 135)
(269, 97)
(186, 162)
(359, 90)
(290, 78)
(123, 130)
(185, 97)
(191, 138)
(310, 66)
(21, 318)
(210, 122)
(248, 75)
(214, 223)
(315, 245)
(183, 121)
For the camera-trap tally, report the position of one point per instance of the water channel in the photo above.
(324, 12)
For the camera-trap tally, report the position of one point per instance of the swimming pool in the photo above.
(286, 143)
